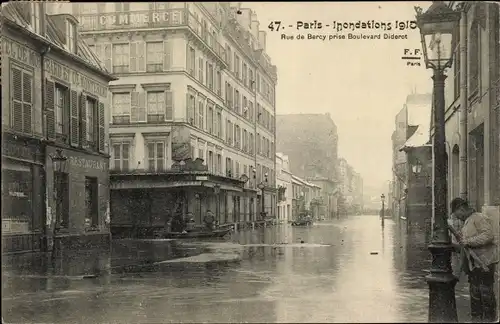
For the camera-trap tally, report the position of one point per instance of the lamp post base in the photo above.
(441, 281)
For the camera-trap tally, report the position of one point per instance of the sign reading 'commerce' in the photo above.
(74, 77)
(133, 19)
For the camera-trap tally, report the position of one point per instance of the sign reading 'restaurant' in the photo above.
(133, 19)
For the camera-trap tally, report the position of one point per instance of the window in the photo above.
(252, 144)
(156, 106)
(210, 120)
(70, 36)
(252, 81)
(245, 80)
(201, 114)
(245, 106)
(156, 156)
(200, 70)
(121, 108)
(211, 162)
(191, 109)
(120, 58)
(228, 56)
(237, 100)
(237, 169)
(251, 111)
(218, 82)
(120, 154)
(201, 154)
(91, 202)
(229, 167)
(218, 167)
(236, 66)
(91, 124)
(22, 100)
(219, 124)
(154, 57)
(61, 110)
(191, 61)
(210, 76)
(229, 132)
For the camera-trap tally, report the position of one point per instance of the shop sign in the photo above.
(87, 163)
(18, 151)
(75, 78)
(20, 52)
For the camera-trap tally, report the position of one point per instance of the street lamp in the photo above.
(437, 28)
(416, 167)
(261, 186)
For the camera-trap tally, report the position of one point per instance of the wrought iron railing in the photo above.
(150, 19)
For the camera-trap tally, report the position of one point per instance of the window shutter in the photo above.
(141, 62)
(101, 127)
(83, 120)
(134, 107)
(167, 56)
(133, 56)
(27, 103)
(75, 122)
(169, 113)
(50, 129)
(142, 107)
(17, 98)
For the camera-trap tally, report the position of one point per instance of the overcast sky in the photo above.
(361, 83)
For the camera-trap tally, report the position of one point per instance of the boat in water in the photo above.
(302, 222)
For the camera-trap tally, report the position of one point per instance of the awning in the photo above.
(419, 138)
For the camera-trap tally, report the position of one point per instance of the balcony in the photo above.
(147, 19)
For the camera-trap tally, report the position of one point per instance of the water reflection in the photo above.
(350, 270)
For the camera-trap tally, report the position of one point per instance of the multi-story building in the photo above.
(399, 166)
(311, 142)
(195, 83)
(351, 188)
(284, 184)
(472, 99)
(54, 129)
(306, 198)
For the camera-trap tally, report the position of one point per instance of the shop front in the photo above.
(22, 195)
(77, 198)
(142, 203)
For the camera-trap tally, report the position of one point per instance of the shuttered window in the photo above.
(156, 156)
(120, 155)
(121, 58)
(200, 70)
(201, 114)
(191, 59)
(61, 108)
(154, 57)
(121, 107)
(22, 100)
(91, 118)
(191, 109)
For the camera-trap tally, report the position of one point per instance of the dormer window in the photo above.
(71, 36)
(36, 16)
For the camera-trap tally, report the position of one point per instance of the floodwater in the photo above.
(350, 270)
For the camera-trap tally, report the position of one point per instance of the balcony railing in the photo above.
(150, 19)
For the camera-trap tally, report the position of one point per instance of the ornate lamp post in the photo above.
(437, 28)
(59, 162)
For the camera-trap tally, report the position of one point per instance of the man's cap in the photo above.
(457, 203)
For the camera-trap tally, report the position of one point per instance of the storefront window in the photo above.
(91, 202)
(17, 189)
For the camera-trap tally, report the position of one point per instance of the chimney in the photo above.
(254, 25)
(245, 18)
(262, 39)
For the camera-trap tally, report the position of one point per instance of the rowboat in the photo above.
(198, 234)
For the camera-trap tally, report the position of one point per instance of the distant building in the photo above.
(306, 198)
(311, 143)
(54, 99)
(195, 84)
(351, 188)
(284, 185)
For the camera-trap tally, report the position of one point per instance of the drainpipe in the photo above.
(463, 106)
(45, 244)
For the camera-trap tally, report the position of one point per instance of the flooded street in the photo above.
(350, 270)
